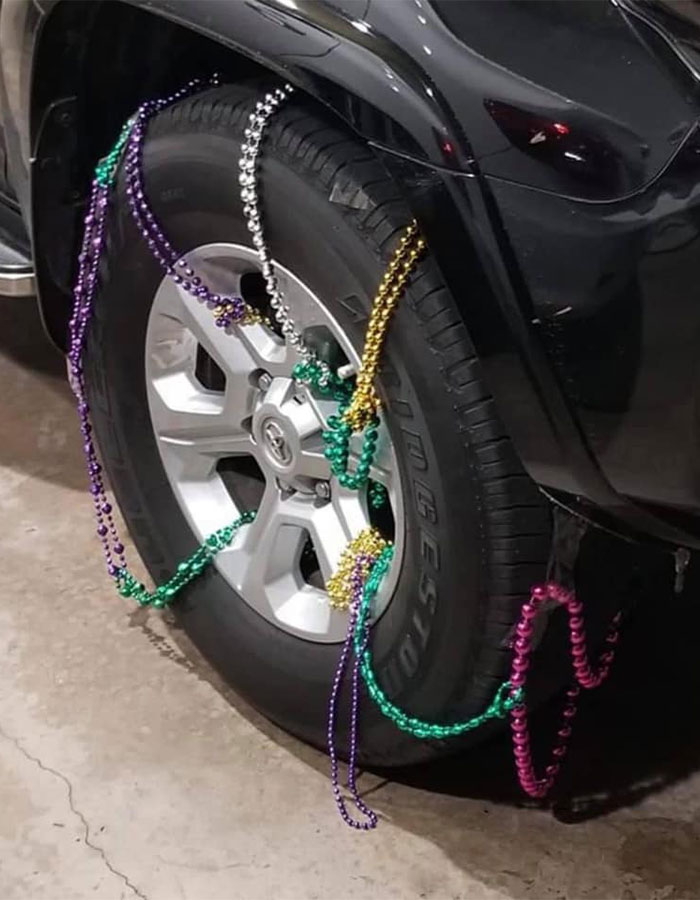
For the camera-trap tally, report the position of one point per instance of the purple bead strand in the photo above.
(153, 234)
(357, 582)
(362, 563)
(84, 291)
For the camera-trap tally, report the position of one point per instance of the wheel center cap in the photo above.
(276, 443)
(282, 420)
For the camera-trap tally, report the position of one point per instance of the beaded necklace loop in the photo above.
(585, 676)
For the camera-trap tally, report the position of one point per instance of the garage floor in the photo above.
(127, 769)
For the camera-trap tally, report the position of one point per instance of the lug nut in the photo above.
(323, 490)
(264, 381)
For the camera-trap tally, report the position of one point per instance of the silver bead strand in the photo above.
(248, 180)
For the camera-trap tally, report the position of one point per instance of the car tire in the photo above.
(477, 530)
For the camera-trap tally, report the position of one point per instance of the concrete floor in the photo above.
(127, 769)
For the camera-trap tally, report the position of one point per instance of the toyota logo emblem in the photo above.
(276, 442)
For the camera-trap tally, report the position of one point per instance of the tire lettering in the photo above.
(408, 656)
(422, 628)
(422, 619)
(173, 193)
(425, 502)
(427, 591)
(414, 446)
(401, 408)
(429, 550)
(389, 679)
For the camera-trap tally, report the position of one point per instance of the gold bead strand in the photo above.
(365, 401)
(369, 544)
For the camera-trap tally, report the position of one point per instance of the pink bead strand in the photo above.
(584, 674)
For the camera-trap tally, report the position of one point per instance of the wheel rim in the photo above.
(247, 436)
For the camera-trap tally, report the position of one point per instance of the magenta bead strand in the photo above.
(584, 674)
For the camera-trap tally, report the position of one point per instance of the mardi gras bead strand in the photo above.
(364, 406)
(368, 545)
(83, 298)
(186, 571)
(506, 697)
(377, 494)
(363, 582)
(361, 564)
(83, 295)
(358, 407)
(227, 309)
(258, 122)
(358, 411)
(584, 674)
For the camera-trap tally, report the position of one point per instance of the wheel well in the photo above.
(95, 62)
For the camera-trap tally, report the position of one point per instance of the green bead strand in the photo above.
(337, 452)
(106, 169)
(337, 437)
(377, 495)
(504, 700)
(329, 386)
(187, 570)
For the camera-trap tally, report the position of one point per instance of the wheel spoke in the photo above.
(266, 350)
(197, 318)
(270, 548)
(333, 525)
(194, 426)
(311, 462)
(306, 311)
(329, 525)
(263, 563)
(227, 350)
(196, 459)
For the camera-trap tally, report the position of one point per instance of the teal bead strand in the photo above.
(377, 495)
(129, 586)
(106, 169)
(339, 433)
(505, 699)
(337, 452)
(328, 386)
